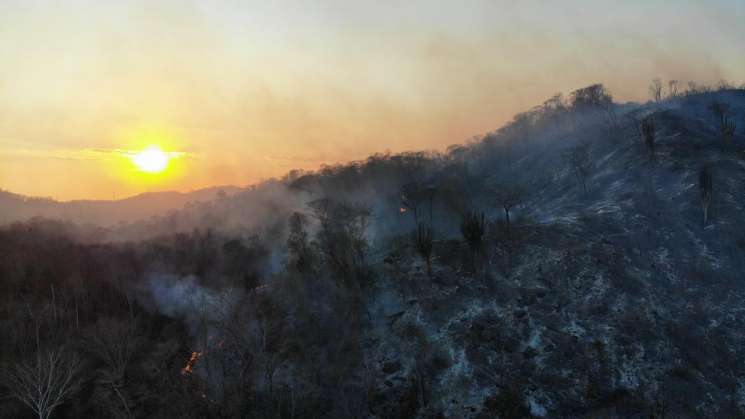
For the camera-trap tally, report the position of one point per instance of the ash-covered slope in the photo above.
(614, 301)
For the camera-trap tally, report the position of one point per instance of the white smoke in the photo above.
(198, 306)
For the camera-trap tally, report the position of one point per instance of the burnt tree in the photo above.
(341, 238)
(705, 186)
(301, 256)
(655, 90)
(578, 158)
(473, 228)
(508, 197)
(721, 111)
(424, 245)
(649, 134)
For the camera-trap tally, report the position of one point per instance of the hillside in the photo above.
(397, 287)
(14, 207)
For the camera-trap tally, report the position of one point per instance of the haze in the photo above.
(249, 90)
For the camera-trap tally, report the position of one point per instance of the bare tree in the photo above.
(705, 186)
(648, 133)
(692, 88)
(659, 409)
(301, 253)
(655, 90)
(44, 383)
(593, 96)
(728, 129)
(578, 158)
(114, 343)
(424, 245)
(411, 198)
(726, 125)
(413, 195)
(720, 110)
(473, 228)
(724, 85)
(508, 197)
(672, 88)
(342, 234)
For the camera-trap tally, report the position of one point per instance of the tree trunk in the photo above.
(507, 218)
(54, 303)
(430, 212)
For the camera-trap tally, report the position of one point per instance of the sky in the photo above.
(240, 91)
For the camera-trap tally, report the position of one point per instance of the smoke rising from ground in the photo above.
(185, 299)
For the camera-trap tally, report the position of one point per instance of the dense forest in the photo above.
(583, 261)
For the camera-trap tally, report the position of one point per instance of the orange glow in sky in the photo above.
(243, 91)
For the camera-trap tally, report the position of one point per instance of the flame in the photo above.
(402, 210)
(189, 367)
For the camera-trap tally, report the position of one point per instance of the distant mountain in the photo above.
(16, 207)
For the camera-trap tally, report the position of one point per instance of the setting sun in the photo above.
(151, 160)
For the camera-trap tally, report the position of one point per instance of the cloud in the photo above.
(88, 154)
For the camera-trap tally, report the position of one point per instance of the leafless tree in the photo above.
(413, 195)
(695, 88)
(720, 110)
(424, 245)
(724, 85)
(595, 98)
(473, 228)
(578, 158)
(342, 233)
(301, 253)
(411, 198)
(45, 382)
(692, 88)
(705, 186)
(655, 90)
(672, 88)
(114, 343)
(553, 110)
(726, 125)
(592, 96)
(508, 197)
(659, 409)
(649, 134)
(728, 129)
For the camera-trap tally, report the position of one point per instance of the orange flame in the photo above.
(189, 367)
(402, 210)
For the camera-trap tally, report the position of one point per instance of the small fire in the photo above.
(402, 210)
(189, 367)
(196, 355)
